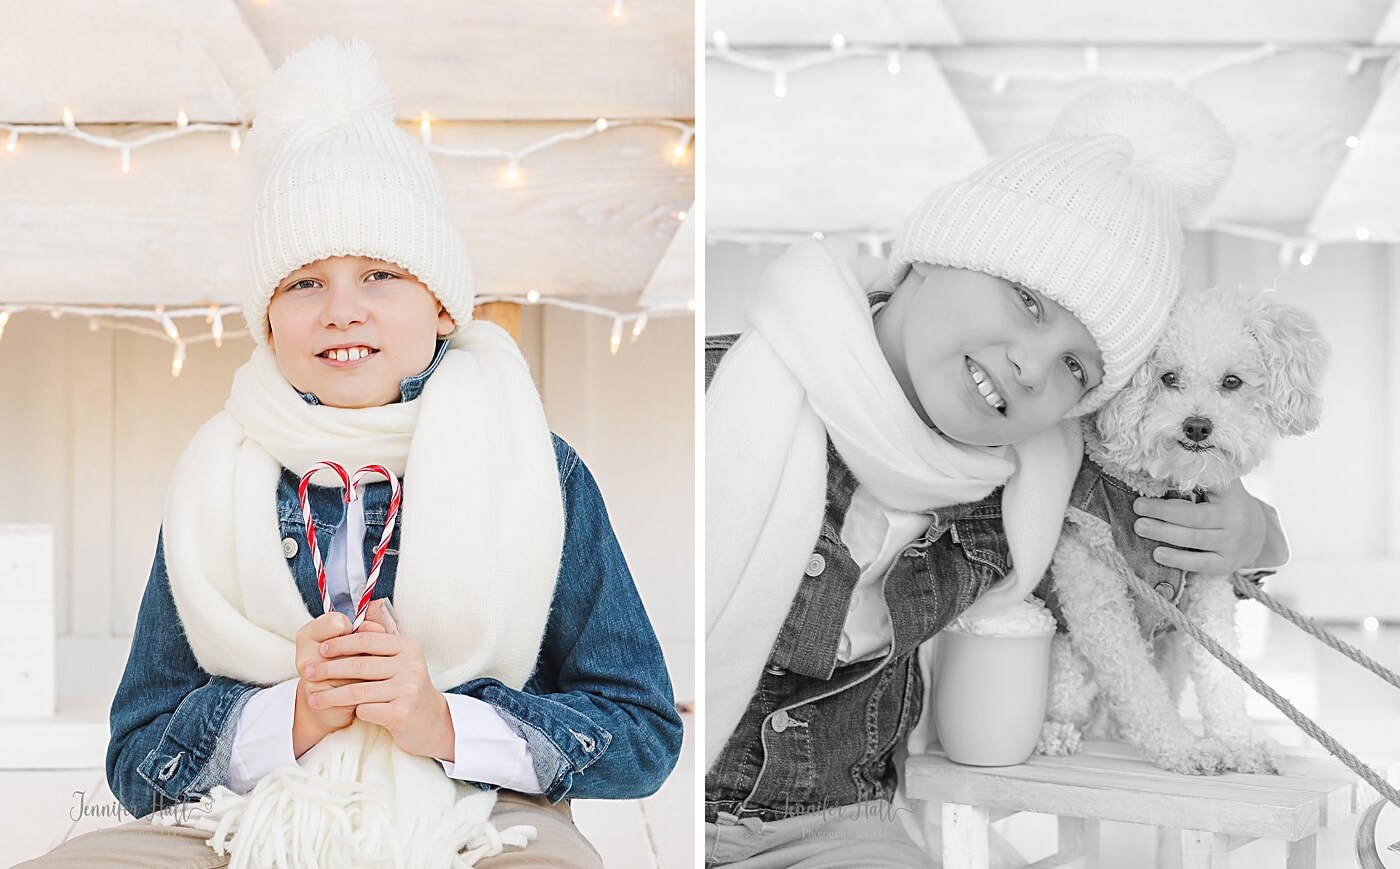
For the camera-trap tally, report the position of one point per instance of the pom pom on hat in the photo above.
(318, 89)
(337, 176)
(1173, 135)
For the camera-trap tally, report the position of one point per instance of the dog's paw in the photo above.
(1059, 739)
(1198, 757)
(1262, 757)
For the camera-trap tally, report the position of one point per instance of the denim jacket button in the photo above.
(774, 670)
(781, 720)
(289, 547)
(169, 769)
(816, 564)
(1166, 590)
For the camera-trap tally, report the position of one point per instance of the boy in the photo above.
(880, 454)
(517, 652)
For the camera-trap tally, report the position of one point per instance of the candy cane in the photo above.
(326, 604)
(395, 496)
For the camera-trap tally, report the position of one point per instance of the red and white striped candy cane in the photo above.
(395, 496)
(326, 605)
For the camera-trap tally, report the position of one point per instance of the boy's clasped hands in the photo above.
(374, 674)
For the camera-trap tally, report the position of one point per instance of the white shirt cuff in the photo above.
(262, 740)
(486, 749)
(1275, 553)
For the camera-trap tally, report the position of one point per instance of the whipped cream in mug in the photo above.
(1025, 618)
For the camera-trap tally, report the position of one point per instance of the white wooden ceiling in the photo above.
(851, 147)
(588, 217)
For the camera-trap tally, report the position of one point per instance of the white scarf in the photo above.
(481, 534)
(809, 367)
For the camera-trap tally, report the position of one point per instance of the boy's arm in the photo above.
(168, 718)
(600, 700)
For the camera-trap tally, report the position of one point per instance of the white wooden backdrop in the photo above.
(92, 424)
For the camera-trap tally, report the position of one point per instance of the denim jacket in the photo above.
(598, 710)
(818, 734)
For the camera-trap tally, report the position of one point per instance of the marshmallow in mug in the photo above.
(1026, 618)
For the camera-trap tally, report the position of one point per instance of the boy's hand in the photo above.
(311, 667)
(1226, 531)
(390, 687)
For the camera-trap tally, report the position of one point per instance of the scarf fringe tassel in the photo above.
(296, 820)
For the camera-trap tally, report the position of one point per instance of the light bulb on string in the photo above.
(893, 62)
(1352, 141)
(638, 325)
(533, 297)
(177, 362)
(235, 139)
(678, 152)
(512, 170)
(217, 328)
(838, 42)
(1309, 254)
(1362, 233)
(126, 159)
(182, 120)
(92, 324)
(4, 318)
(601, 124)
(681, 216)
(780, 83)
(10, 142)
(721, 40)
(425, 131)
(55, 313)
(818, 236)
(690, 304)
(168, 325)
(68, 118)
(615, 341)
(617, 8)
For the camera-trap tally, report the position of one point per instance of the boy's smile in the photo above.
(349, 329)
(983, 360)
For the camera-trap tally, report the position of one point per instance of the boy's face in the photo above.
(349, 328)
(983, 360)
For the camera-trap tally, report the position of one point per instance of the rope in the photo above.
(1322, 634)
(1306, 724)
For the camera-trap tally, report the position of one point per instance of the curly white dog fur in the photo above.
(1233, 372)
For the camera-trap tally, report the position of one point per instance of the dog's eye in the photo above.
(1169, 380)
(1231, 383)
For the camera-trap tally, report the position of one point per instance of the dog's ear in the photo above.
(1117, 421)
(1294, 356)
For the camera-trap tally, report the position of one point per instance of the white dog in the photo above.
(1233, 371)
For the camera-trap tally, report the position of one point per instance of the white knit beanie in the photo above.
(337, 177)
(1091, 216)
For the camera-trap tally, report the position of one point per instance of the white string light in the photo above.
(512, 157)
(615, 340)
(1299, 248)
(1001, 78)
(127, 319)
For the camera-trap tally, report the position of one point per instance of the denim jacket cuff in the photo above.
(193, 753)
(563, 741)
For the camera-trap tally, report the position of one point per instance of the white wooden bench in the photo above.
(1208, 815)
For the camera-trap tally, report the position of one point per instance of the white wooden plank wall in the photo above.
(93, 424)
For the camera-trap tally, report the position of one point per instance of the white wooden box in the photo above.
(27, 644)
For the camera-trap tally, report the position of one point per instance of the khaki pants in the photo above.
(142, 845)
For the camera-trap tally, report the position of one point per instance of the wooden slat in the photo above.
(591, 216)
(1190, 21)
(501, 59)
(813, 22)
(1365, 194)
(1145, 796)
(135, 61)
(1389, 31)
(673, 282)
(1290, 114)
(850, 147)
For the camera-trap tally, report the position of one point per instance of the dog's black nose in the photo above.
(1197, 428)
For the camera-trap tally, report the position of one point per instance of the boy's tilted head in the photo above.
(349, 329)
(350, 245)
(983, 360)
(1088, 222)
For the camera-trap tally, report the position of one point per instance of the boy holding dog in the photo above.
(885, 451)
